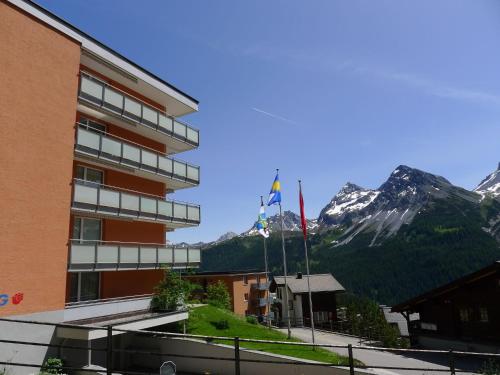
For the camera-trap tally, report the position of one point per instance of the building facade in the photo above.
(461, 315)
(249, 290)
(87, 140)
(324, 290)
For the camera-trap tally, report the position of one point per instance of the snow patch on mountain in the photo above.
(490, 186)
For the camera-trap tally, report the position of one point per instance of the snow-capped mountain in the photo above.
(490, 186)
(380, 213)
(226, 236)
(291, 223)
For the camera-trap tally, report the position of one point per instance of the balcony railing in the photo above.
(111, 99)
(101, 255)
(117, 151)
(263, 301)
(260, 286)
(121, 203)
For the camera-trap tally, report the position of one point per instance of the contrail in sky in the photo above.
(274, 116)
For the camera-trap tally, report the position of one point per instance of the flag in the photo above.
(303, 221)
(275, 193)
(261, 224)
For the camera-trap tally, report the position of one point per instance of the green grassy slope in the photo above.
(202, 321)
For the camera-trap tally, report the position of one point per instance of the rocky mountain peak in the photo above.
(490, 186)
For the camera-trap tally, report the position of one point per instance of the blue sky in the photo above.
(327, 91)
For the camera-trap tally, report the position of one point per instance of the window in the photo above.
(246, 297)
(465, 314)
(245, 279)
(89, 174)
(483, 315)
(84, 286)
(86, 229)
(92, 125)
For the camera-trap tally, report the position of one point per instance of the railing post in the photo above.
(452, 362)
(109, 351)
(237, 355)
(351, 360)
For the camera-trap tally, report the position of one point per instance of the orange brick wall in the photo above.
(39, 75)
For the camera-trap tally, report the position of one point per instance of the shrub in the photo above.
(52, 366)
(218, 295)
(491, 367)
(252, 319)
(221, 324)
(172, 292)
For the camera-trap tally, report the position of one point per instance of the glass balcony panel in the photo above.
(193, 173)
(88, 139)
(148, 205)
(130, 202)
(165, 164)
(180, 211)
(148, 254)
(107, 254)
(82, 254)
(111, 147)
(165, 208)
(194, 255)
(150, 159)
(166, 123)
(129, 254)
(179, 129)
(179, 168)
(113, 99)
(165, 255)
(192, 135)
(91, 88)
(131, 153)
(181, 255)
(85, 194)
(193, 213)
(149, 116)
(133, 108)
(109, 198)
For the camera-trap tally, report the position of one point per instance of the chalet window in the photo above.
(465, 314)
(245, 279)
(246, 297)
(483, 315)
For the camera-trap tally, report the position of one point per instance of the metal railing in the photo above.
(116, 202)
(352, 364)
(108, 255)
(115, 150)
(260, 286)
(113, 100)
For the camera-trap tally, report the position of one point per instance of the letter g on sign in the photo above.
(4, 299)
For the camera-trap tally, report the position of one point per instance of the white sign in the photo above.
(168, 368)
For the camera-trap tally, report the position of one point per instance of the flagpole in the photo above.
(268, 305)
(284, 269)
(308, 280)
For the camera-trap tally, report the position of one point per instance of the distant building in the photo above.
(324, 289)
(248, 289)
(397, 320)
(461, 315)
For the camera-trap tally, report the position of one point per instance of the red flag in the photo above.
(303, 221)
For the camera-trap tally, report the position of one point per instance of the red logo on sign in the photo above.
(17, 298)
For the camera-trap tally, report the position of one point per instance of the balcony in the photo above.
(100, 100)
(261, 302)
(99, 148)
(115, 203)
(116, 256)
(260, 286)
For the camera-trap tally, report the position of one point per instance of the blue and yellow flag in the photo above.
(275, 193)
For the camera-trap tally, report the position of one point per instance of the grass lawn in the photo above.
(203, 321)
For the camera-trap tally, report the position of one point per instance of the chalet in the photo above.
(461, 315)
(324, 289)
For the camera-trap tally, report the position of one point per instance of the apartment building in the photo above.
(88, 143)
(249, 290)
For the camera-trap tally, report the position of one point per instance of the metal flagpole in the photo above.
(268, 305)
(284, 270)
(308, 280)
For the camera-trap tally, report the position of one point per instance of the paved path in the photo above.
(382, 358)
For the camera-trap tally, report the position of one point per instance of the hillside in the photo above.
(452, 232)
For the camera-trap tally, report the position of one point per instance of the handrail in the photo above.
(166, 246)
(106, 300)
(156, 125)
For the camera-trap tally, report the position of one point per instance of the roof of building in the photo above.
(397, 318)
(319, 283)
(410, 304)
(77, 34)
